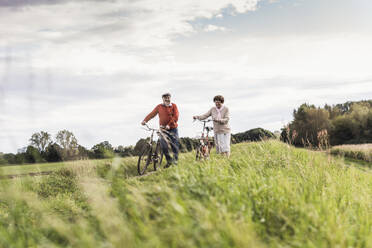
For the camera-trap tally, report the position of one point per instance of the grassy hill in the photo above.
(267, 195)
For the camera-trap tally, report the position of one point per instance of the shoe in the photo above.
(175, 162)
(169, 163)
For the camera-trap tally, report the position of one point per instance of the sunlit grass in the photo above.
(267, 195)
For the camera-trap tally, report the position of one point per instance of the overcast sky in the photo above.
(97, 67)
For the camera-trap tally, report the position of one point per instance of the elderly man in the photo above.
(168, 118)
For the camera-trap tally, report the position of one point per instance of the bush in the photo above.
(103, 150)
(255, 134)
(61, 182)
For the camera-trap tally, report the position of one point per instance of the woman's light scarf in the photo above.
(219, 115)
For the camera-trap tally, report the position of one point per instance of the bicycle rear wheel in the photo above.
(144, 159)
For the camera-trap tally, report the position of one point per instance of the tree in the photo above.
(347, 123)
(68, 143)
(308, 122)
(124, 151)
(32, 155)
(83, 152)
(53, 153)
(255, 134)
(103, 150)
(188, 144)
(40, 140)
(10, 158)
(2, 159)
(359, 114)
(20, 158)
(355, 126)
(342, 130)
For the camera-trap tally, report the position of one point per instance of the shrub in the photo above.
(60, 182)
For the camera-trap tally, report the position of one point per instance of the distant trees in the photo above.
(103, 150)
(255, 134)
(2, 159)
(33, 155)
(188, 144)
(354, 126)
(124, 151)
(40, 140)
(43, 149)
(53, 153)
(69, 144)
(348, 123)
(10, 158)
(308, 122)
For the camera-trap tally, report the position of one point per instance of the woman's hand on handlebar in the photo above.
(217, 120)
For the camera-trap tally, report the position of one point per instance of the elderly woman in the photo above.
(222, 132)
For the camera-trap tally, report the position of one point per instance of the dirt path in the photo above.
(33, 174)
(44, 173)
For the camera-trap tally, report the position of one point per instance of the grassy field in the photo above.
(267, 195)
(44, 167)
(361, 152)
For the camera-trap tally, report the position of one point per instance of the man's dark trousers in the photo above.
(172, 136)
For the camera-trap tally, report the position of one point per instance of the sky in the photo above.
(98, 67)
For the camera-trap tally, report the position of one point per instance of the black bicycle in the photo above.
(151, 151)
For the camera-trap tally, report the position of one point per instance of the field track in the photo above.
(45, 173)
(33, 174)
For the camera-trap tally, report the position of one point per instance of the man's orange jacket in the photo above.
(168, 115)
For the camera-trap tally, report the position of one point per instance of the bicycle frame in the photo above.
(205, 145)
(150, 153)
(153, 130)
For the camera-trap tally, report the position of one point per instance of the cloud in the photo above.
(212, 28)
(98, 72)
(158, 21)
(25, 3)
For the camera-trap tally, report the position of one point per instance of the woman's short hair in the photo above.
(219, 98)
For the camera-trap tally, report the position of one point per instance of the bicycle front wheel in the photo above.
(198, 153)
(158, 156)
(144, 159)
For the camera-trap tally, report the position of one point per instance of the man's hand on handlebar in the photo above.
(167, 127)
(143, 123)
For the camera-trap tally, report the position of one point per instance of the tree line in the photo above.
(347, 123)
(64, 147)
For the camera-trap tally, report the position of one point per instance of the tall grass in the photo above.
(361, 152)
(267, 195)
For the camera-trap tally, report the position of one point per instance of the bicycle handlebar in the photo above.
(205, 121)
(154, 129)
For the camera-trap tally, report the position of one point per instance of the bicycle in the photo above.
(204, 147)
(151, 151)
